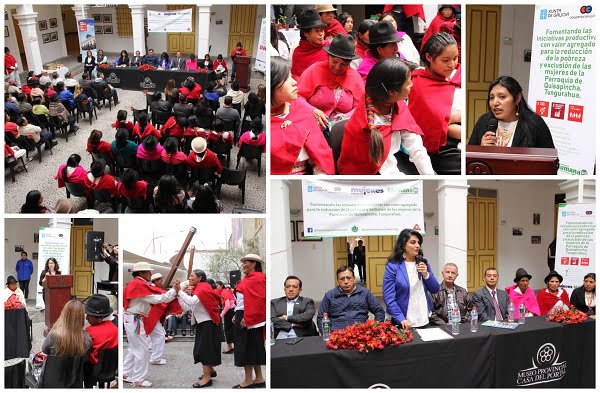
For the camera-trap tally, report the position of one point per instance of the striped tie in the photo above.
(497, 307)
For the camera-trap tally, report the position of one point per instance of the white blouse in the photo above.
(417, 314)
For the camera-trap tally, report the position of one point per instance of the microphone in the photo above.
(418, 259)
(492, 125)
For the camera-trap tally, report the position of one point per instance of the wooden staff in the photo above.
(191, 263)
(179, 258)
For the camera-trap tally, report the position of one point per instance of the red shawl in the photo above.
(334, 29)
(159, 311)
(196, 131)
(408, 9)
(434, 26)
(107, 182)
(254, 289)
(361, 47)
(139, 190)
(194, 94)
(430, 102)
(528, 298)
(260, 141)
(137, 288)
(148, 130)
(102, 147)
(354, 155)
(546, 300)
(306, 54)
(227, 294)
(303, 131)
(209, 299)
(127, 125)
(319, 74)
(172, 128)
(210, 160)
(216, 136)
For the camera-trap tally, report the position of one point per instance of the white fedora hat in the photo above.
(142, 267)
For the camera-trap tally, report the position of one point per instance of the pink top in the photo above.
(149, 155)
(528, 298)
(191, 64)
(178, 157)
(333, 102)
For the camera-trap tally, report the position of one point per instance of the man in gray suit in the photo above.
(292, 315)
(491, 302)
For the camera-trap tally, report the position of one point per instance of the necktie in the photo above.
(497, 307)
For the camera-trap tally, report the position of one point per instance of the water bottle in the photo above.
(511, 312)
(450, 307)
(326, 326)
(455, 320)
(474, 320)
(521, 313)
(272, 335)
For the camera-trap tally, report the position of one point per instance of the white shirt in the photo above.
(408, 49)
(418, 313)
(142, 305)
(290, 311)
(18, 293)
(239, 301)
(199, 313)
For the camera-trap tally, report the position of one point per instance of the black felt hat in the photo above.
(98, 306)
(342, 46)
(309, 19)
(553, 273)
(520, 274)
(382, 33)
(10, 280)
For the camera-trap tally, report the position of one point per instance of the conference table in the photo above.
(131, 77)
(538, 354)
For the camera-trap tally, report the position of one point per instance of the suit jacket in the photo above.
(482, 299)
(304, 311)
(540, 137)
(178, 64)
(136, 61)
(359, 255)
(578, 301)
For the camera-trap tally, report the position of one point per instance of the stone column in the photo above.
(81, 11)
(281, 257)
(579, 191)
(137, 20)
(202, 30)
(452, 210)
(28, 24)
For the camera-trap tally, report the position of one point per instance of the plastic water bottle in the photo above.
(511, 312)
(450, 306)
(455, 320)
(326, 326)
(272, 335)
(474, 320)
(521, 313)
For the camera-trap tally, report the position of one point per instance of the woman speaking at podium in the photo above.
(510, 122)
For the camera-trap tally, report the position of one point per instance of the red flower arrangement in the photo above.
(569, 317)
(146, 67)
(103, 66)
(202, 71)
(12, 303)
(368, 336)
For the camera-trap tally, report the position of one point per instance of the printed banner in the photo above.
(172, 21)
(54, 243)
(562, 82)
(261, 56)
(87, 37)
(575, 243)
(334, 208)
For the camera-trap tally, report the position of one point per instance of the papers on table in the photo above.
(433, 334)
(500, 324)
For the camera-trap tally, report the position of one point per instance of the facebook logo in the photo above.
(309, 230)
(544, 14)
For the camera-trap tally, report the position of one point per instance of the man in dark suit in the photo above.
(360, 260)
(136, 60)
(292, 315)
(491, 302)
(178, 62)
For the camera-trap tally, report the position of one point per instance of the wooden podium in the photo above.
(493, 160)
(58, 293)
(242, 72)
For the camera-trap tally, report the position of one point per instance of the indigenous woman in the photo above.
(553, 296)
(435, 100)
(445, 14)
(327, 14)
(347, 23)
(310, 48)
(95, 144)
(382, 125)
(518, 125)
(97, 179)
(71, 172)
(297, 143)
(521, 293)
(584, 298)
(331, 87)
(406, 48)
(382, 44)
(362, 37)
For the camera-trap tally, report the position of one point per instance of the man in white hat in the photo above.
(138, 298)
(202, 157)
(158, 332)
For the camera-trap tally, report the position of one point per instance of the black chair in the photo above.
(82, 109)
(337, 136)
(137, 205)
(136, 114)
(179, 171)
(233, 177)
(214, 105)
(148, 102)
(43, 122)
(103, 196)
(61, 372)
(221, 148)
(105, 94)
(11, 164)
(77, 190)
(38, 147)
(107, 159)
(159, 118)
(203, 175)
(102, 373)
(152, 169)
(58, 124)
(124, 162)
(250, 152)
(237, 107)
(72, 109)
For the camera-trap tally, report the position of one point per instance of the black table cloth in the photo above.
(491, 357)
(17, 339)
(14, 375)
(131, 77)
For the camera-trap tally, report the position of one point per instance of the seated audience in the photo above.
(37, 109)
(333, 26)
(144, 128)
(183, 109)
(71, 172)
(171, 153)
(218, 135)
(292, 315)
(149, 149)
(219, 66)
(237, 96)
(95, 144)
(205, 201)
(227, 113)
(171, 92)
(67, 336)
(69, 81)
(36, 133)
(553, 297)
(123, 123)
(202, 157)
(406, 48)
(24, 106)
(56, 108)
(383, 43)
(158, 104)
(445, 14)
(439, 313)
(491, 302)
(191, 90)
(101, 329)
(254, 137)
(122, 146)
(13, 290)
(130, 186)
(169, 197)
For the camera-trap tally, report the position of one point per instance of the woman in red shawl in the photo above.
(553, 297)
(95, 144)
(249, 350)
(435, 102)
(331, 87)
(445, 14)
(327, 15)
(362, 37)
(521, 293)
(310, 48)
(72, 172)
(297, 143)
(97, 179)
(382, 126)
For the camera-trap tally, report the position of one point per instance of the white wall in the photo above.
(516, 25)
(517, 201)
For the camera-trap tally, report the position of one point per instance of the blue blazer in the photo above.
(396, 289)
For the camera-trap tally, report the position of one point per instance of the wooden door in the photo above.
(242, 26)
(481, 238)
(483, 43)
(23, 60)
(81, 269)
(378, 248)
(340, 255)
(183, 42)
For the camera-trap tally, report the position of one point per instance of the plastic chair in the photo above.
(11, 164)
(179, 171)
(233, 177)
(104, 196)
(151, 168)
(124, 162)
(250, 152)
(221, 148)
(62, 372)
(159, 118)
(77, 190)
(104, 371)
(203, 175)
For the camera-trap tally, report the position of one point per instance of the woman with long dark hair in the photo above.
(123, 59)
(98, 179)
(383, 43)
(169, 196)
(33, 203)
(71, 172)
(51, 268)
(346, 20)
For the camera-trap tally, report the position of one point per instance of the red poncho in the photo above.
(127, 125)
(247, 139)
(107, 182)
(254, 289)
(546, 300)
(11, 127)
(159, 311)
(354, 155)
(102, 147)
(361, 47)
(140, 189)
(172, 128)
(79, 176)
(193, 94)
(430, 103)
(408, 9)
(137, 288)
(209, 299)
(306, 54)
(148, 130)
(334, 29)
(434, 26)
(104, 335)
(302, 132)
(210, 161)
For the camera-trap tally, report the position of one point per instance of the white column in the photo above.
(60, 222)
(452, 210)
(202, 30)
(81, 11)
(28, 25)
(281, 258)
(137, 20)
(579, 191)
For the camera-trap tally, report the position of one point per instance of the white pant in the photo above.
(158, 342)
(135, 365)
(15, 75)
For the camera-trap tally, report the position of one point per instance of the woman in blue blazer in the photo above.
(406, 281)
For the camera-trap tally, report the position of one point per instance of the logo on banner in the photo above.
(309, 230)
(546, 367)
(586, 9)
(558, 111)
(310, 189)
(575, 113)
(416, 227)
(574, 261)
(354, 228)
(544, 14)
(564, 260)
(585, 262)
(588, 212)
(542, 107)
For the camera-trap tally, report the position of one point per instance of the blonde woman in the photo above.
(67, 337)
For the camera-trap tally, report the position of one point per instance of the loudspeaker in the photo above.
(234, 277)
(93, 246)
